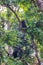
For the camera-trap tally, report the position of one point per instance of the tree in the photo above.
(34, 32)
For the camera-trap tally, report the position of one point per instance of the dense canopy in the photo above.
(21, 32)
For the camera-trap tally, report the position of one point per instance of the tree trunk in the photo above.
(36, 52)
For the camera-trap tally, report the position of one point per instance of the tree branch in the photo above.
(8, 6)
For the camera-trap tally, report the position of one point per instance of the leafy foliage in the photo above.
(15, 37)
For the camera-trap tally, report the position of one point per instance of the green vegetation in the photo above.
(29, 39)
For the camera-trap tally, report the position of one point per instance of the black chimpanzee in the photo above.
(17, 53)
(23, 25)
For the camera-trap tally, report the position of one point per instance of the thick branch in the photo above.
(8, 6)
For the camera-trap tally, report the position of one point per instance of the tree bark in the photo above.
(36, 51)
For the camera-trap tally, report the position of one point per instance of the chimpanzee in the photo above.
(17, 53)
(23, 25)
